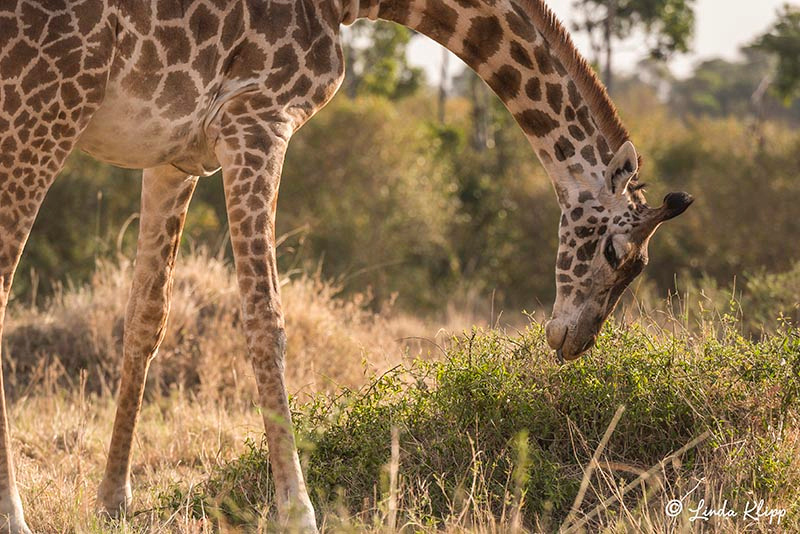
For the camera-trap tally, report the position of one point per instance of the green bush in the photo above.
(497, 421)
(759, 302)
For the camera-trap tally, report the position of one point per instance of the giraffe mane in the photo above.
(589, 85)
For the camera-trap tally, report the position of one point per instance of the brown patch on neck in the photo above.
(590, 87)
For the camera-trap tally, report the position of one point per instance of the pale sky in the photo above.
(722, 26)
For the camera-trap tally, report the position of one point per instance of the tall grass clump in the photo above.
(495, 434)
(334, 341)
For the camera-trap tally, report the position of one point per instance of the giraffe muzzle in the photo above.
(556, 333)
(569, 342)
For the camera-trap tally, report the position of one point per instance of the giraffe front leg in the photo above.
(12, 518)
(166, 193)
(252, 158)
(32, 153)
(22, 189)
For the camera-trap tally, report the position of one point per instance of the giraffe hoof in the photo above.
(113, 502)
(12, 520)
(15, 525)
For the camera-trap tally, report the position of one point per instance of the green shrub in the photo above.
(498, 423)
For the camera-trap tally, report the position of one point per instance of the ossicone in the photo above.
(675, 204)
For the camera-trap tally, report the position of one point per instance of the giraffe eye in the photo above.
(611, 253)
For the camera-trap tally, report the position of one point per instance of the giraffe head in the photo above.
(605, 228)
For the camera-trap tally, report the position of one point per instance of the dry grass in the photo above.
(62, 438)
(334, 343)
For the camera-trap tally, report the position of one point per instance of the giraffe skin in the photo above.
(182, 88)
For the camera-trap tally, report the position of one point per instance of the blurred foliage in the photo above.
(783, 42)
(90, 213)
(722, 88)
(371, 200)
(760, 301)
(505, 208)
(747, 194)
(378, 194)
(377, 62)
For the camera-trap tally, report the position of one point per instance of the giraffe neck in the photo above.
(522, 52)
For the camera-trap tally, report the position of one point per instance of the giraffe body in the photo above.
(166, 87)
(184, 87)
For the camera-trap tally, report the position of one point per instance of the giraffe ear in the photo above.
(624, 166)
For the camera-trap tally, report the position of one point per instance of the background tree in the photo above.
(742, 88)
(720, 88)
(468, 85)
(376, 61)
(782, 41)
(668, 24)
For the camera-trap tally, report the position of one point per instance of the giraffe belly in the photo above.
(126, 132)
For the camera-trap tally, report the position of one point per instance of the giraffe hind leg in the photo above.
(166, 193)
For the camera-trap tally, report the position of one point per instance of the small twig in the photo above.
(593, 464)
(652, 471)
(394, 469)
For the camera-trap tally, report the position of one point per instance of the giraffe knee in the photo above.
(143, 337)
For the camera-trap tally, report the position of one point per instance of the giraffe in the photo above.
(182, 88)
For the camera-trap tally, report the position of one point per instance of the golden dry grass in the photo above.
(334, 342)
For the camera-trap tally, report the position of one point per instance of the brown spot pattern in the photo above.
(537, 123)
(506, 82)
(482, 40)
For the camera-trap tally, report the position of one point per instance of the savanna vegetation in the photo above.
(403, 427)
(416, 227)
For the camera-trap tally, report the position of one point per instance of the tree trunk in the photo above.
(480, 114)
(443, 85)
(350, 78)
